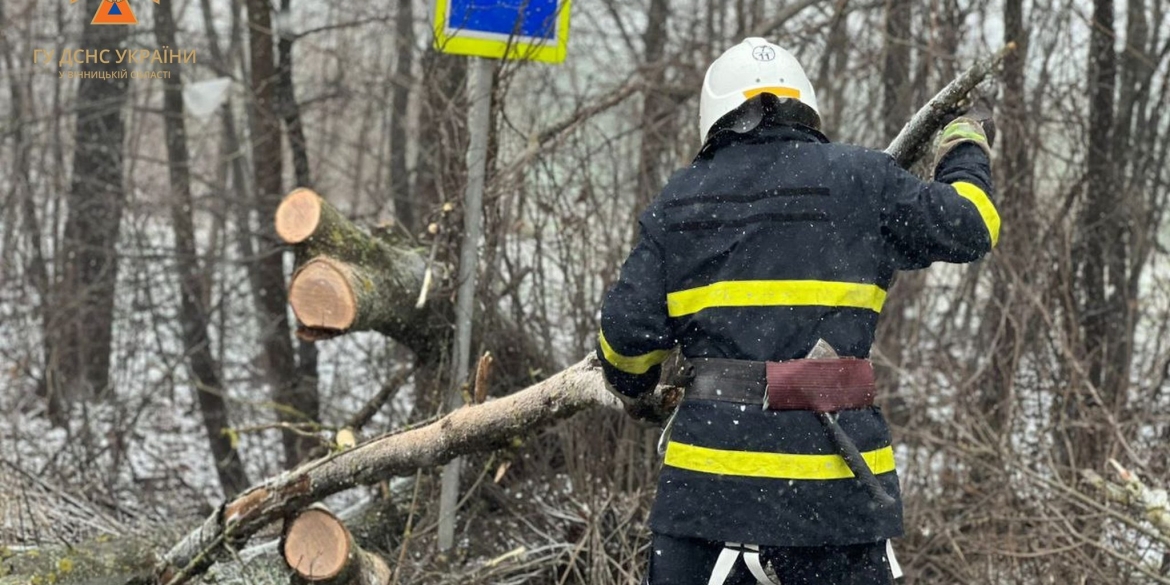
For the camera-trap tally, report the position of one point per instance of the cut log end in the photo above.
(317, 546)
(298, 216)
(322, 298)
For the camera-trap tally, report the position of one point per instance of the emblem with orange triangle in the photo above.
(114, 12)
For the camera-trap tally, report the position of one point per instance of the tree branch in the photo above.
(468, 430)
(1148, 503)
(911, 142)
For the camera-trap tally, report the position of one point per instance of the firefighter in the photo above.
(772, 240)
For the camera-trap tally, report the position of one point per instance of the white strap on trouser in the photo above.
(726, 563)
(664, 438)
(895, 568)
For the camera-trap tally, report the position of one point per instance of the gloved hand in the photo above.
(646, 408)
(975, 125)
(981, 113)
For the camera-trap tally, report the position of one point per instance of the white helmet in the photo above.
(746, 70)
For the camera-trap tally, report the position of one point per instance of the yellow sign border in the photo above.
(502, 49)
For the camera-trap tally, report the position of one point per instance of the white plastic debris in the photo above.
(202, 98)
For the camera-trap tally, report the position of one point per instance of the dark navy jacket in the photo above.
(766, 243)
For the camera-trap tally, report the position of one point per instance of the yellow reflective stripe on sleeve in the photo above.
(772, 465)
(637, 364)
(776, 293)
(986, 208)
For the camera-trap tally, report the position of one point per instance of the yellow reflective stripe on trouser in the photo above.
(772, 465)
(637, 364)
(773, 293)
(986, 208)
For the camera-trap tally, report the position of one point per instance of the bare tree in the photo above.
(892, 332)
(78, 363)
(295, 402)
(1009, 317)
(203, 365)
(657, 108)
(401, 82)
(1102, 262)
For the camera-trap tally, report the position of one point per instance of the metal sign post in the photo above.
(500, 29)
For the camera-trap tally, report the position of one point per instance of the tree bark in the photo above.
(296, 404)
(38, 269)
(307, 393)
(404, 204)
(82, 335)
(896, 84)
(337, 262)
(1102, 261)
(657, 106)
(1008, 316)
(193, 314)
(892, 328)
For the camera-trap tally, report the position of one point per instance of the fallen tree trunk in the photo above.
(319, 549)
(468, 430)
(328, 295)
(347, 280)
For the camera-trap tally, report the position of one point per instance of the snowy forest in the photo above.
(228, 289)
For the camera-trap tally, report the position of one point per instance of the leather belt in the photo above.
(818, 385)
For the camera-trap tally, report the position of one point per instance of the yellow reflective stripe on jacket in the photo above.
(773, 293)
(637, 364)
(986, 208)
(772, 465)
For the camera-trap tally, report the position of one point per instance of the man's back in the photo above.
(764, 245)
(772, 240)
(773, 243)
(768, 242)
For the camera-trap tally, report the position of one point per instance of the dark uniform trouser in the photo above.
(690, 561)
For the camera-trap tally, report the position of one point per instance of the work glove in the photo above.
(981, 113)
(644, 408)
(975, 125)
